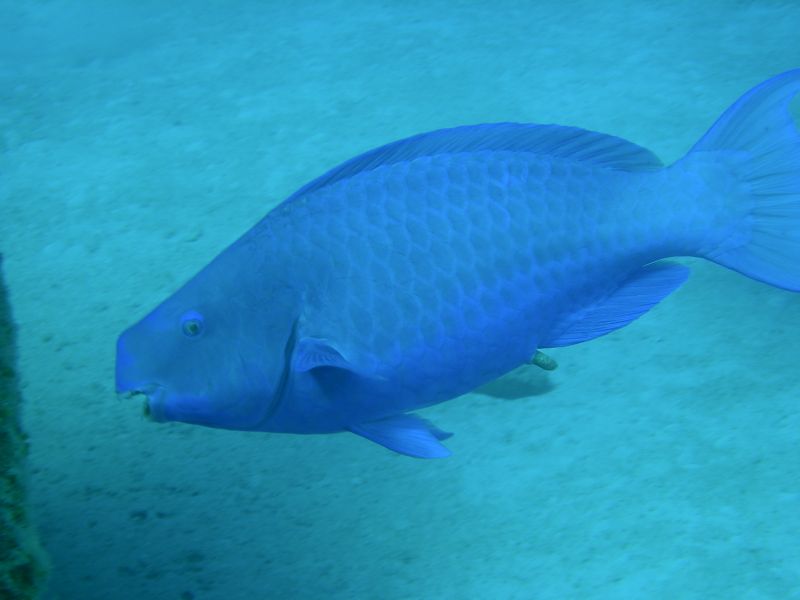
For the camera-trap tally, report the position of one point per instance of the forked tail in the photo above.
(759, 141)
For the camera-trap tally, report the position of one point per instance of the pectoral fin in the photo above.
(312, 353)
(406, 434)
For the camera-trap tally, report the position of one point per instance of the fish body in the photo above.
(422, 269)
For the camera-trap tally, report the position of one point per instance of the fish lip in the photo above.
(153, 406)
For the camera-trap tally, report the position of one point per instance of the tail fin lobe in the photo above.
(760, 132)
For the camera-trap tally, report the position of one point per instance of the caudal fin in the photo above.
(760, 138)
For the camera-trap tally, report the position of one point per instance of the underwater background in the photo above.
(138, 139)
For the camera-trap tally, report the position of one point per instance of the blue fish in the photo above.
(417, 271)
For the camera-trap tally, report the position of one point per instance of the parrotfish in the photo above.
(420, 270)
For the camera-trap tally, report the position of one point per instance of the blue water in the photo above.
(138, 139)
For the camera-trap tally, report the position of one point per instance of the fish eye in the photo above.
(192, 324)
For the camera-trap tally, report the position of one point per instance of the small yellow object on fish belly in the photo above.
(540, 359)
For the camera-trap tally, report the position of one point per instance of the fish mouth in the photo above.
(153, 402)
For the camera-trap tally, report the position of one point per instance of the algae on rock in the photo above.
(23, 567)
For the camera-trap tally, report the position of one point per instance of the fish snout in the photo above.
(129, 385)
(124, 378)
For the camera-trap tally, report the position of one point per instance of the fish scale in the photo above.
(424, 268)
(458, 293)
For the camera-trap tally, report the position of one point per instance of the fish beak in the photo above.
(153, 404)
(153, 407)
(129, 383)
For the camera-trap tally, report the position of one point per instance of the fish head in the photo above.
(212, 354)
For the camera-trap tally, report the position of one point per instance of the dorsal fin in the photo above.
(553, 140)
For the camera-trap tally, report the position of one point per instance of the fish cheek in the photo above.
(250, 395)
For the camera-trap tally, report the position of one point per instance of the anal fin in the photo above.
(638, 294)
